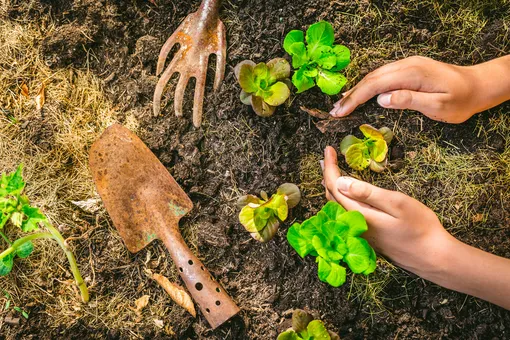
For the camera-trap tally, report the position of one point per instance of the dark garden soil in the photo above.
(236, 151)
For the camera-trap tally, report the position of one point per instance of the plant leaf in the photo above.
(333, 210)
(237, 68)
(176, 293)
(247, 219)
(25, 249)
(245, 98)
(339, 245)
(33, 217)
(320, 33)
(261, 75)
(371, 132)
(247, 78)
(260, 107)
(279, 69)
(278, 94)
(358, 257)
(246, 199)
(357, 156)
(12, 184)
(278, 204)
(268, 232)
(300, 320)
(330, 82)
(321, 246)
(317, 330)
(292, 37)
(289, 334)
(17, 219)
(310, 228)
(343, 57)
(337, 275)
(301, 81)
(298, 53)
(378, 166)
(323, 269)
(387, 134)
(292, 192)
(378, 150)
(301, 245)
(6, 264)
(346, 143)
(356, 222)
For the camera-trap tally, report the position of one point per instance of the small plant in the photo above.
(320, 61)
(262, 216)
(16, 208)
(264, 86)
(305, 327)
(16, 308)
(333, 235)
(370, 151)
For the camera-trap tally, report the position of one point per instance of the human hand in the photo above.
(400, 227)
(441, 91)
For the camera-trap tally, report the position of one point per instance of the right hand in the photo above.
(441, 91)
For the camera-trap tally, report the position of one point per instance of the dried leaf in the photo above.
(316, 113)
(337, 125)
(159, 323)
(40, 98)
(24, 91)
(142, 302)
(477, 218)
(177, 293)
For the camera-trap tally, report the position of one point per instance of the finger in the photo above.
(199, 98)
(179, 93)
(387, 201)
(429, 104)
(165, 77)
(406, 78)
(220, 57)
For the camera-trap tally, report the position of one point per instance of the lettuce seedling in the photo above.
(15, 208)
(319, 61)
(262, 216)
(370, 151)
(264, 86)
(334, 235)
(305, 327)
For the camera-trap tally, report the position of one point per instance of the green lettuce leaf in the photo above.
(279, 69)
(247, 79)
(330, 82)
(288, 335)
(357, 156)
(378, 150)
(343, 57)
(292, 37)
(301, 81)
(318, 34)
(358, 257)
(346, 143)
(278, 94)
(356, 222)
(299, 55)
(301, 245)
(333, 210)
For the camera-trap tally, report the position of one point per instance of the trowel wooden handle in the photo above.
(210, 296)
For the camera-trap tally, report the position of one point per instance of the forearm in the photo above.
(492, 82)
(472, 271)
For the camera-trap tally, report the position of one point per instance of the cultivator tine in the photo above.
(179, 93)
(199, 99)
(221, 56)
(165, 78)
(167, 47)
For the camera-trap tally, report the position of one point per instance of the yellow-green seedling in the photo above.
(264, 86)
(16, 210)
(319, 61)
(334, 235)
(262, 216)
(305, 327)
(370, 151)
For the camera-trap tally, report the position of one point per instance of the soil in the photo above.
(236, 151)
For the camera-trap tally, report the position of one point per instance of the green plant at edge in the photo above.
(306, 328)
(333, 235)
(264, 86)
(319, 61)
(16, 208)
(370, 151)
(262, 216)
(16, 308)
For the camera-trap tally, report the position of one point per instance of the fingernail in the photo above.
(384, 99)
(321, 162)
(344, 183)
(343, 94)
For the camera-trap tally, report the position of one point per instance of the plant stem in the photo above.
(19, 242)
(5, 238)
(72, 261)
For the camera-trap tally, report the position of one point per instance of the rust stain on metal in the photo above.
(145, 203)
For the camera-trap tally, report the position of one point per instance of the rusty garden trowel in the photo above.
(145, 203)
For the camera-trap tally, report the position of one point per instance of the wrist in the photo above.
(490, 88)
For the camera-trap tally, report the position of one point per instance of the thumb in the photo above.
(424, 102)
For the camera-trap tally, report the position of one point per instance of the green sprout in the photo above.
(306, 328)
(333, 235)
(319, 61)
(262, 216)
(15, 208)
(370, 151)
(264, 86)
